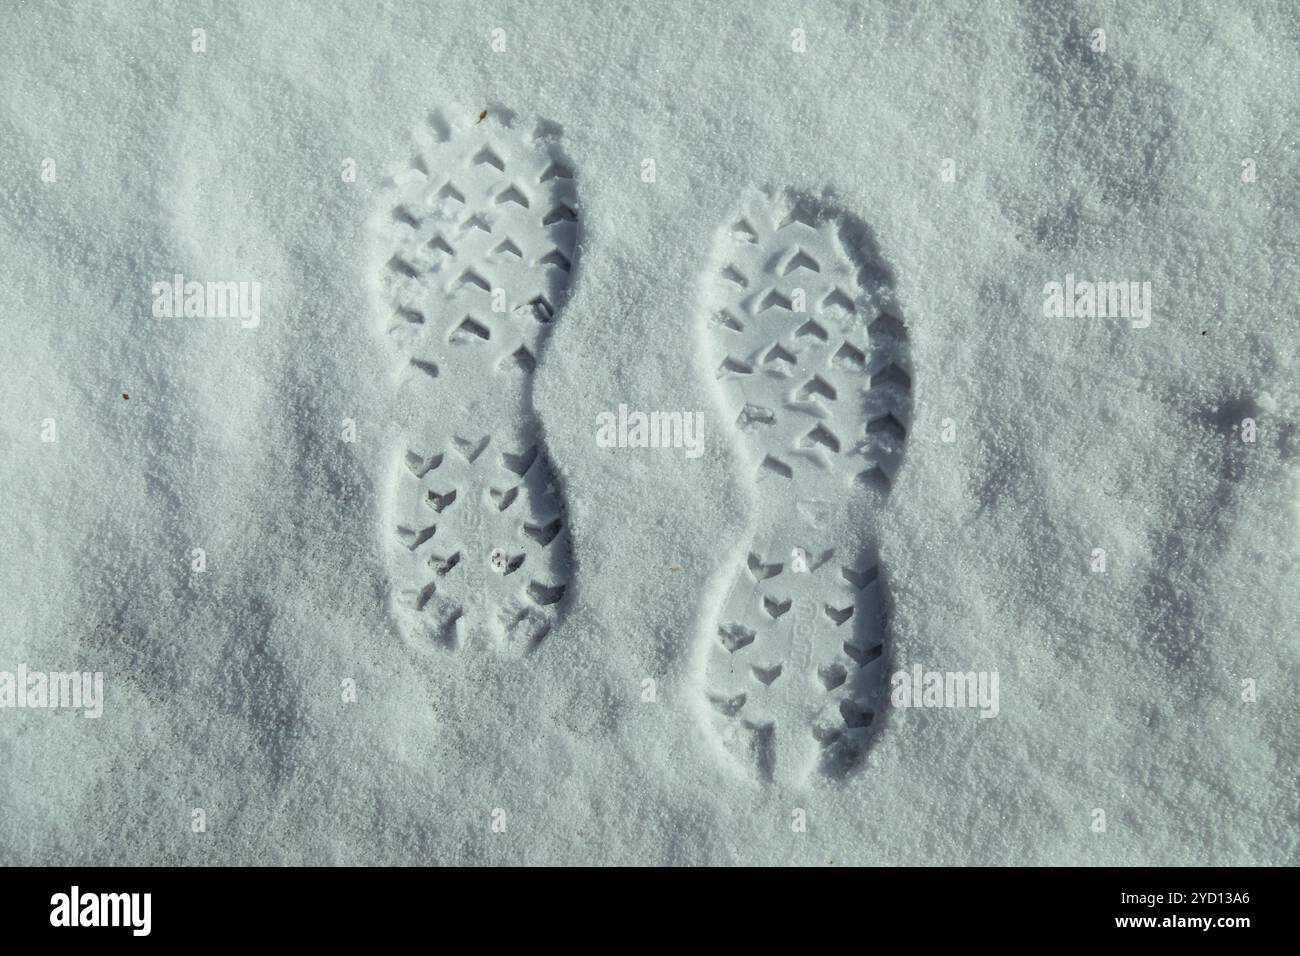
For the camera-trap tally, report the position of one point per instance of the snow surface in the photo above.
(1120, 691)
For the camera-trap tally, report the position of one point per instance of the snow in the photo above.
(1120, 691)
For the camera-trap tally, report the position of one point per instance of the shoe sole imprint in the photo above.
(477, 239)
(811, 358)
